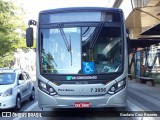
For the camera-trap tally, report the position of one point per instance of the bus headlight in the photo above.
(117, 87)
(47, 88)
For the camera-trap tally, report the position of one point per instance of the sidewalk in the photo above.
(146, 95)
(147, 89)
(143, 97)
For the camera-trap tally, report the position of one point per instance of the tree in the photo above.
(12, 30)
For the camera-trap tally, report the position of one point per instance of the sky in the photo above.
(32, 7)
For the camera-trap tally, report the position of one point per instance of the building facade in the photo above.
(143, 22)
(25, 60)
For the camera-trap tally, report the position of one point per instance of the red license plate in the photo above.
(81, 104)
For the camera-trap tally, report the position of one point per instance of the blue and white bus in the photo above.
(81, 57)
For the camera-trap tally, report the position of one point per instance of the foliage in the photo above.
(12, 30)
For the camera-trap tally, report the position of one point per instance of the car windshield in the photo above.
(7, 78)
(95, 49)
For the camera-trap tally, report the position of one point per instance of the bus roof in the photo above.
(80, 9)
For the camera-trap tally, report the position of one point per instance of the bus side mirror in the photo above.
(29, 37)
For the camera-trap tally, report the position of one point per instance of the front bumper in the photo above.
(116, 100)
(7, 102)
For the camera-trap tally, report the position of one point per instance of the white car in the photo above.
(15, 87)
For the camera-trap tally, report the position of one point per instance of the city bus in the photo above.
(81, 57)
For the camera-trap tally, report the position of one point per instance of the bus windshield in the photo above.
(76, 49)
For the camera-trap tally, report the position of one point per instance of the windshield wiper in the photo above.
(64, 37)
(68, 45)
(96, 34)
(70, 49)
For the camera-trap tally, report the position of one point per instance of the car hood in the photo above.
(3, 88)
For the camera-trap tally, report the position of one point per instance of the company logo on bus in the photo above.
(80, 77)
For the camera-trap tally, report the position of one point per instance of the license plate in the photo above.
(81, 104)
